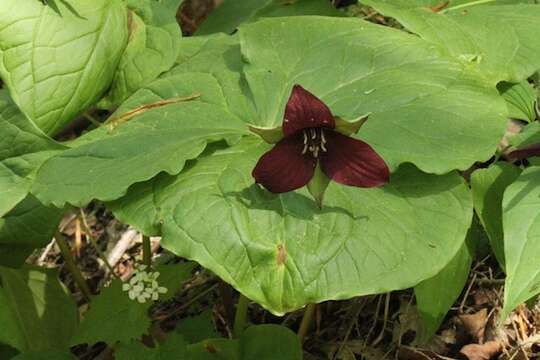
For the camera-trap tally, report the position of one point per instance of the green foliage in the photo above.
(521, 211)
(23, 148)
(175, 347)
(28, 226)
(50, 86)
(36, 312)
(488, 186)
(152, 48)
(167, 135)
(198, 328)
(520, 99)
(111, 311)
(500, 42)
(372, 238)
(418, 97)
(175, 157)
(173, 277)
(268, 342)
(230, 13)
(264, 342)
(220, 56)
(436, 295)
(48, 355)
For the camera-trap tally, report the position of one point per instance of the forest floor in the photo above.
(372, 327)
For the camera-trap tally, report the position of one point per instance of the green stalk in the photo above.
(95, 244)
(147, 251)
(70, 263)
(457, 7)
(306, 321)
(240, 318)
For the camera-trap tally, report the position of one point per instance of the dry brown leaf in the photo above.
(410, 353)
(481, 352)
(475, 324)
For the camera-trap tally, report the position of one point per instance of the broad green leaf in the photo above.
(231, 13)
(23, 147)
(488, 186)
(28, 226)
(182, 113)
(172, 5)
(436, 295)
(499, 41)
(174, 347)
(520, 99)
(152, 48)
(173, 277)
(220, 56)
(58, 64)
(36, 312)
(283, 252)
(269, 342)
(263, 342)
(521, 214)
(111, 311)
(425, 108)
(47, 355)
(198, 328)
(451, 5)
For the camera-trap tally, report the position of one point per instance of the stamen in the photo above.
(305, 137)
(323, 139)
(313, 134)
(323, 148)
(305, 149)
(316, 152)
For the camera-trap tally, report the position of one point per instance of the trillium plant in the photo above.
(312, 148)
(177, 175)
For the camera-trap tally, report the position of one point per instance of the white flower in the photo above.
(143, 285)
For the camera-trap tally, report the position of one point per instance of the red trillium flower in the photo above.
(310, 143)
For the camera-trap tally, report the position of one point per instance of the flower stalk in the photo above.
(240, 319)
(70, 264)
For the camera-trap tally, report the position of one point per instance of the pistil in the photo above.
(314, 142)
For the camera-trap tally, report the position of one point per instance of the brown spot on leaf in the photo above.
(281, 254)
(132, 25)
(439, 7)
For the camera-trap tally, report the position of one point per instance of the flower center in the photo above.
(314, 141)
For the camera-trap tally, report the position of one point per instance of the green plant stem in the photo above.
(240, 318)
(95, 244)
(457, 7)
(147, 251)
(70, 263)
(92, 119)
(306, 321)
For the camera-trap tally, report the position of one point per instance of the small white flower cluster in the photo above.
(143, 285)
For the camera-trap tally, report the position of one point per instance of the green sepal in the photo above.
(317, 185)
(269, 135)
(350, 127)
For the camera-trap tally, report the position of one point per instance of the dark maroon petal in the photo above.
(352, 162)
(305, 110)
(284, 168)
(525, 152)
